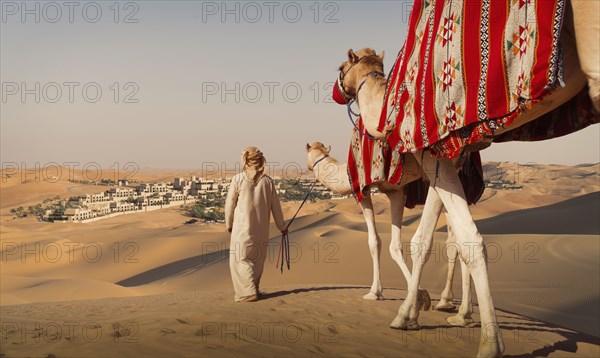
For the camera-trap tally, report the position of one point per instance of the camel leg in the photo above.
(586, 22)
(447, 295)
(420, 249)
(470, 244)
(376, 292)
(472, 250)
(463, 317)
(397, 199)
(397, 211)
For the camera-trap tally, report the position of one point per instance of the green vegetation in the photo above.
(81, 181)
(107, 182)
(295, 191)
(19, 212)
(208, 208)
(37, 210)
(199, 211)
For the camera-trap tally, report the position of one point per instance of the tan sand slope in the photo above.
(295, 321)
(531, 274)
(582, 214)
(543, 243)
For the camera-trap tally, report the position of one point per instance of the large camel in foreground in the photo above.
(446, 190)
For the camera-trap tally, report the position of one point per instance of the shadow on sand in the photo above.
(177, 268)
(520, 331)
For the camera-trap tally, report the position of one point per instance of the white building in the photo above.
(120, 193)
(175, 196)
(77, 214)
(152, 188)
(122, 206)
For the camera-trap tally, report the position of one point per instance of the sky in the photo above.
(186, 84)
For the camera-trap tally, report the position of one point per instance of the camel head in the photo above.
(354, 70)
(316, 152)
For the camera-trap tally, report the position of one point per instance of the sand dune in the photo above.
(295, 321)
(168, 286)
(577, 216)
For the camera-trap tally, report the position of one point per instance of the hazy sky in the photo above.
(187, 82)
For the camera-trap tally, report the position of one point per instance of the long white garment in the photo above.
(248, 211)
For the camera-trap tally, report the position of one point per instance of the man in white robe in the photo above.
(251, 199)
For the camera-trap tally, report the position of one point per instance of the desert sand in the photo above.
(149, 285)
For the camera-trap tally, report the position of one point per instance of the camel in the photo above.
(333, 175)
(361, 82)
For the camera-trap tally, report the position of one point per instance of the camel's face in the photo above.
(358, 65)
(315, 152)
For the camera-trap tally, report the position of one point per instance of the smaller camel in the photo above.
(333, 175)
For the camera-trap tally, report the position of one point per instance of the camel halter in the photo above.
(340, 96)
(357, 115)
(284, 245)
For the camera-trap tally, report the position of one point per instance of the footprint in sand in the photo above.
(182, 321)
(316, 350)
(166, 331)
(210, 346)
(332, 329)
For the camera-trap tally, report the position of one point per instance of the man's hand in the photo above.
(229, 230)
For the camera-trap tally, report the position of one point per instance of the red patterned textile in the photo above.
(571, 117)
(467, 68)
(371, 161)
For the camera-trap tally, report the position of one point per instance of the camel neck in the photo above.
(370, 101)
(372, 74)
(333, 175)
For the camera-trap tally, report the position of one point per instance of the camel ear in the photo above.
(352, 56)
(328, 149)
(381, 54)
(307, 147)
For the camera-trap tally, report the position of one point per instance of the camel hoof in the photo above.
(445, 306)
(404, 324)
(424, 300)
(373, 296)
(489, 349)
(458, 320)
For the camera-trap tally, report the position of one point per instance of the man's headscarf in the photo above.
(253, 163)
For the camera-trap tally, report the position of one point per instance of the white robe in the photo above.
(248, 211)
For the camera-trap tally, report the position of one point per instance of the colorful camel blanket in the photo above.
(469, 67)
(577, 114)
(372, 161)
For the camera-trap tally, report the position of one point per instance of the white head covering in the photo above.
(253, 162)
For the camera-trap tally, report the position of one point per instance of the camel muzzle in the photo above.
(339, 95)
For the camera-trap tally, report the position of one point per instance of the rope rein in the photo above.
(284, 245)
